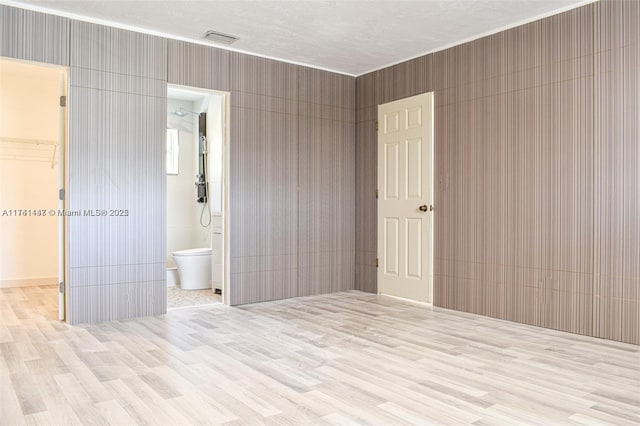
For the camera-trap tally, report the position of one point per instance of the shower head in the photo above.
(183, 112)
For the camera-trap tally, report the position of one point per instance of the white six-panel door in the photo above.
(405, 198)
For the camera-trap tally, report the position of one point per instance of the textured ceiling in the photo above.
(348, 36)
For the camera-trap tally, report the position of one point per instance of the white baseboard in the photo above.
(28, 282)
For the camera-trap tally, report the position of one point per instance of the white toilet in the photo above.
(194, 268)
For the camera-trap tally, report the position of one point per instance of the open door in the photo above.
(405, 200)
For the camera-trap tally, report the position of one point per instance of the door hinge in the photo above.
(376, 125)
(61, 287)
(63, 101)
(61, 194)
(377, 262)
(376, 194)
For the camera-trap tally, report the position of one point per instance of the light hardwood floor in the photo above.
(346, 358)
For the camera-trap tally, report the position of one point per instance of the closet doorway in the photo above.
(32, 179)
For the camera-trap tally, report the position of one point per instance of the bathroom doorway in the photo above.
(196, 172)
(32, 175)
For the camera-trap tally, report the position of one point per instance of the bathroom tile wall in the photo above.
(537, 171)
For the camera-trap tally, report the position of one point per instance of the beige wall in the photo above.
(29, 97)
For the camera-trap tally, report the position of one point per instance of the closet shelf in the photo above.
(28, 149)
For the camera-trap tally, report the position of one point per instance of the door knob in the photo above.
(424, 208)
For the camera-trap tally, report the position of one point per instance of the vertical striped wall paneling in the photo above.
(281, 114)
(117, 117)
(537, 171)
(616, 287)
(292, 183)
(536, 167)
(263, 182)
(33, 36)
(326, 212)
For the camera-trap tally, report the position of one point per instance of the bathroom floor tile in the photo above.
(178, 298)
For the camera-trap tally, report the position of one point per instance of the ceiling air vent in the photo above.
(220, 37)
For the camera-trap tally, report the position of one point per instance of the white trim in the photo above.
(410, 301)
(226, 204)
(226, 227)
(482, 35)
(121, 26)
(113, 24)
(63, 173)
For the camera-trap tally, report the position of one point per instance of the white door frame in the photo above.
(61, 150)
(63, 164)
(226, 153)
(226, 120)
(405, 216)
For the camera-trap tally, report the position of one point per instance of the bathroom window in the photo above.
(173, 151)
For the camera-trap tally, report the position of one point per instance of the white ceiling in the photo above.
(347, 36)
